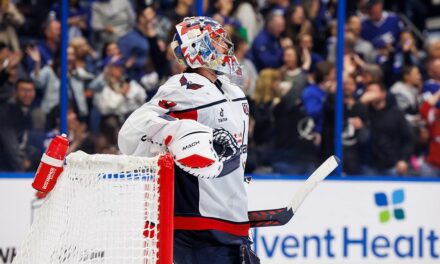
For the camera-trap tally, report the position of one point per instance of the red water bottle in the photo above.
(51, 164)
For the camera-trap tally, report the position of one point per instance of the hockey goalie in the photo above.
(201, 117)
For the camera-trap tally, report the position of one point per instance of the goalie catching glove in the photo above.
(193, 150)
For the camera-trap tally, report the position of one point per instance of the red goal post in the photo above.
(166, 209)
(105, 209)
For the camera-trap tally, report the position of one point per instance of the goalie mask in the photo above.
(203, 42)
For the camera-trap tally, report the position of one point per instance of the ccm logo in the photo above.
(190, 145)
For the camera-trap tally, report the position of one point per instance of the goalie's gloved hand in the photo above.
(224, 144)
(193, 151)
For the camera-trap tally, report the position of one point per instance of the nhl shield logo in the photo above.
(245, 108)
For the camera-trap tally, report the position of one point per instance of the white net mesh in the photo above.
(103, 209)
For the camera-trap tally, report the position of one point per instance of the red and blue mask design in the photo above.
(203, 42)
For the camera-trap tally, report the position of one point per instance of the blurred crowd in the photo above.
(118, 55)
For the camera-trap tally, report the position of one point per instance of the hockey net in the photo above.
(105, 209)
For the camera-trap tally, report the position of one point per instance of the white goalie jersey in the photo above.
(201, 203)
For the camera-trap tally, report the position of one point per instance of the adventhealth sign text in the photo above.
(347, 243)
(352, 222)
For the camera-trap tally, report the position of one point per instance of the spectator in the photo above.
(433, 49)
(432, 85)
(137, 46)
(109, 50)
(408, 98)
(355, 131)
(17, 124)
(115, 98)
(182, 9)
(78, 18)
(392, 59)
(407, 94)
(10, 71)
(150, 81)
(49, 47)
(353, 64)
(48, 81)
(86, 57)
(385, 59)
(313, 96)
(407, 52)
(118, 97)
(266, 51)
(111, 19)
(109, 134)
(353, 34)
(371, 73)
(161, 23)
(79, 138)
(10, 19)
(260, 119)
(247, 13)
(381, 25)
(306, 44)
(297, 23)
(223, 15)
(320, 13)
(250, 73)
(294, 149)
(391, 141)
(294, 77)
(431, 114)
(261, 104)
(279, 6)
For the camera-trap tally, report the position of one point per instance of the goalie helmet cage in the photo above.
(105, 209)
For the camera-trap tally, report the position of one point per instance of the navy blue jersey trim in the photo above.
(218, 84)
(239, 99)
(230, 165)
(208, 105)
(186, 193)
(195, 132)
(199, 107)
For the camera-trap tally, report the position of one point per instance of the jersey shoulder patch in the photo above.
(187, 81)
(189, 84)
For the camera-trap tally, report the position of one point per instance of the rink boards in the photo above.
(352, 220)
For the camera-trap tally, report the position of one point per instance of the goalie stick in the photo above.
(281, 216)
